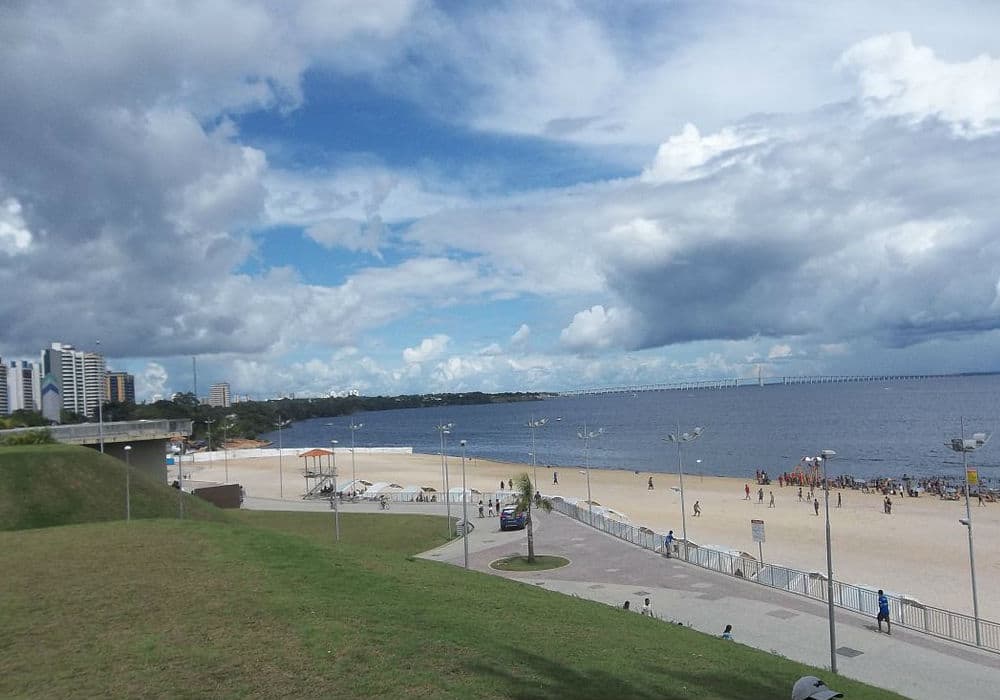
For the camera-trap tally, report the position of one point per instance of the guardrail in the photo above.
(904, 612)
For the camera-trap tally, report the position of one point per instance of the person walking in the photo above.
(883, 612)
(668, 544)
(746, 489)
(839, 498)
(480, 507)
(771, 503)
(816, 505)
(760, 495)
(555, 477)
(491, 507)
(800, 494)
(650, 486)
(697, 508)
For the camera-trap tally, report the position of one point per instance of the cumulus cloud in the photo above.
(779, 352)
(428, 349)
(689, 155)
(898, 78)
(14, 234)
(521, 335)
(598, 328)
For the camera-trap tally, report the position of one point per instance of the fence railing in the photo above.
(904, 612)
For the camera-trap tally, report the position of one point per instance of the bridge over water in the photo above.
(737, 382)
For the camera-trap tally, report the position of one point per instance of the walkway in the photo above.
(610, 571)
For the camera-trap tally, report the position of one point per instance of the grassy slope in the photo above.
(46, 485)
(267, 605)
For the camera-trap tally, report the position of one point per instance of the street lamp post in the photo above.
(128, 485)
(465, 511)
(965, 446)
(209, 422)
(532, 424)
(100, 399)
(587, 436)
(336, 506)
(680, 438)
(180, 484)
(281, 479)
(445, 429)
(354, 467)
(826, 455)
(225, 447)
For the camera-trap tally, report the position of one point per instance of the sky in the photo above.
(411, 196)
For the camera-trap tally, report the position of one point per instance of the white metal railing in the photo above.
(905, 612)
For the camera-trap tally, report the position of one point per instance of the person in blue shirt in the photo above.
(668, 543)
(883, 612)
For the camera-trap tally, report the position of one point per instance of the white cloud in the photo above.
(429, 349)
(521, 335)
(14, 234)
(779, 352)
(151, 382)
(689, 155)
(598, 328)
(898, 78)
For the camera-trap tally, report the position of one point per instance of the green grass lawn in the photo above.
(47, 485)
(266, 605)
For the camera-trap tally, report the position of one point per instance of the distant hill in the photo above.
(46, 485)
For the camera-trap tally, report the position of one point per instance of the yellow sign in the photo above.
(972, 476)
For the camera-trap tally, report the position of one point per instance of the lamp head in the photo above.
(964, 521)
(128, 448)
(827, 454)
(462, 443)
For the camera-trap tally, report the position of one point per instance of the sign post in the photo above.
(757, 528)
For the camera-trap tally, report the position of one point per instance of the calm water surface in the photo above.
(876, 429)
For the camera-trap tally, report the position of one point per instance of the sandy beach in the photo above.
(921, 549)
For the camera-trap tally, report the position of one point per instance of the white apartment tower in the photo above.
(79, 377)
(23, 385)
(4, 400)
(218, 395)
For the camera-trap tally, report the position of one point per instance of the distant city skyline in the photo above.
(396, 197)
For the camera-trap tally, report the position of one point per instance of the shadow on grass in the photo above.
(535, 677)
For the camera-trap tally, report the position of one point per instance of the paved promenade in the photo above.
(608, 570)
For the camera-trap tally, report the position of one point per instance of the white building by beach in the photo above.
(23, 386)
(219, 395)
(78, 376)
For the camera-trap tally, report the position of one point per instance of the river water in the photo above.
(877, 429)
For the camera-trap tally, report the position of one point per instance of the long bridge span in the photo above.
(737, 382)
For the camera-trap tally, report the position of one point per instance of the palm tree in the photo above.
(525, 491)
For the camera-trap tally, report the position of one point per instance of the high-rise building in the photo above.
(120, 387)
(4, 402)
(75, 376)
(23, 385)
(218, 395)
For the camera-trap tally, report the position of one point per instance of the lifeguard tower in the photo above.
(321, 478)
(808, 472)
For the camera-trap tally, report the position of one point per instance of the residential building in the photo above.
(76, 377)
(23, 385)
(219, 396)
(120, 387)
(4, 402)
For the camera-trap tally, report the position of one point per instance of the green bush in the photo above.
(43, 436)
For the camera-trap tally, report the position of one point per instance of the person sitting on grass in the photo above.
(728, 633)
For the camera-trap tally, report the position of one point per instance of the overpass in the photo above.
(148, 439)
(739, 382)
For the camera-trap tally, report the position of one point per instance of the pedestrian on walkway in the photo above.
(760, 495)
(771, 504)
(839, 498)
(816, 505)
(800, 494)
(646, 608)
(491, 507)
(697, 508)
(650, 486)
(883, 612)
(668, 543)
(480, 507)
(555, 477)
(746, 489)
(812, 688)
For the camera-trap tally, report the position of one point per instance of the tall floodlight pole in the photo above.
(826, 455)
(281, 479)
(966, 445)
(180, 485)
(465, 511)
(225, 446)
(100, 399)
(587, 436)
(354, 467)
(128, 486)
(445, 429)
(532, 425)
(209, 424)
(681, 438)
(336, 506)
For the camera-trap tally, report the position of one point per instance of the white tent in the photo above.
(455, 495)
(381, 488)
(412, 491)
(354, 486)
